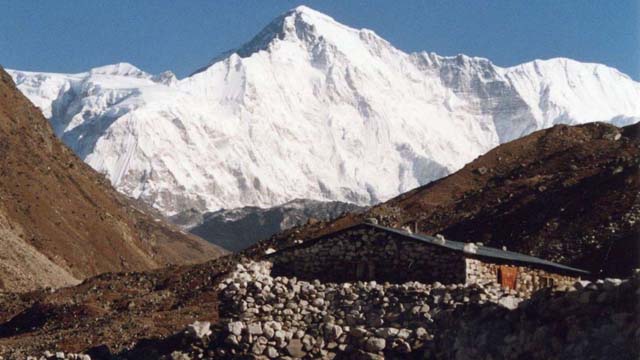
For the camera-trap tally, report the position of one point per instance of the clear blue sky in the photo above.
(158, 35)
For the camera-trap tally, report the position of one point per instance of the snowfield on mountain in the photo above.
(312, 109)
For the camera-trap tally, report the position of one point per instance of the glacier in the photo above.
(311, 108)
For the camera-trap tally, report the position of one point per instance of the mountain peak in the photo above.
(301, 22)
(119, 69)
(305, 83)
(302, 9)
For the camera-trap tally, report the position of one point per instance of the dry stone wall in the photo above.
(280, 317)
(367, 254)
(527, 281)
(267, 317)
(589, 320)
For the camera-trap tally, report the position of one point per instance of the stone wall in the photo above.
(367, 254)
(263, 316)
(589, 320)
(370, 254)
(266, 317)
(528, 279)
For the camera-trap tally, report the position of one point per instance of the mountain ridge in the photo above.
(309, 83)
(237, 229)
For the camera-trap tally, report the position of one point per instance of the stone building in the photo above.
(372, 252)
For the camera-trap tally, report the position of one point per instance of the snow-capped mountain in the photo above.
(311, 108)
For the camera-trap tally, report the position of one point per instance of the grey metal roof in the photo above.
(480, 251)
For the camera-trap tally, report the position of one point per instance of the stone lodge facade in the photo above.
(373, 252)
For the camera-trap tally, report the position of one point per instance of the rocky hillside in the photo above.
(569, 194)
(60, 221)
(237, 229)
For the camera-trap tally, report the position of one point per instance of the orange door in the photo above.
(507, 276)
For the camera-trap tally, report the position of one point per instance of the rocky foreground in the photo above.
(280, 317)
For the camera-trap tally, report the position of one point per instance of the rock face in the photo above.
(313, 109)
(569, 194)
(280, 317)
(60, 221)
(238, 229)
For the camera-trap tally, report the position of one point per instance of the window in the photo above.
(546, 282)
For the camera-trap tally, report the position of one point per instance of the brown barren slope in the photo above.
(60, 221)
(111, 312)
(569, 194)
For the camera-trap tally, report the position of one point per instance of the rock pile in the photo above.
(278, 317)
(48, 355)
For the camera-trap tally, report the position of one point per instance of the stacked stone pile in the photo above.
(49, 355)
(278, 317)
